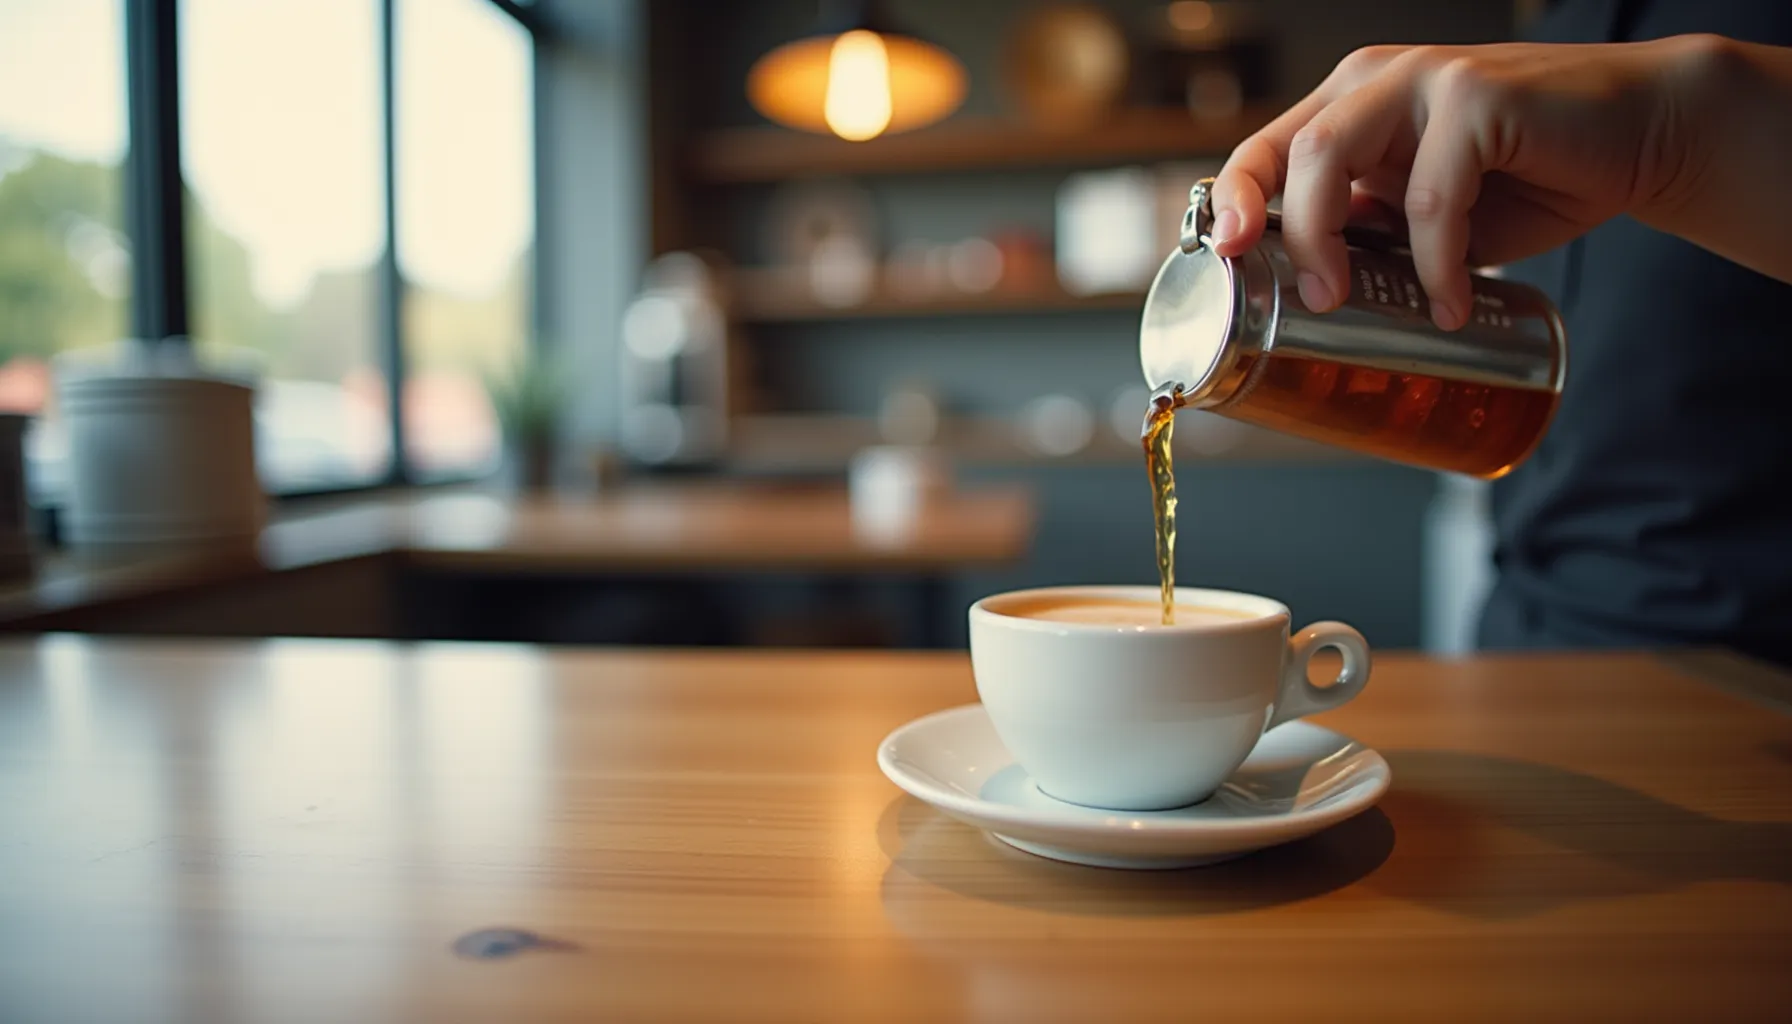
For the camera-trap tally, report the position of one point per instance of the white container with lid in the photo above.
(158, 453)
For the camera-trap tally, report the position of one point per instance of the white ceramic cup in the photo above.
(1148, 717)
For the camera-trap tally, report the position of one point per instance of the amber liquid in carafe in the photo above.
(1160, 423)
(1453, 425)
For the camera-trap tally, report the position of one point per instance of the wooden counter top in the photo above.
(694, 527)
(302, 830)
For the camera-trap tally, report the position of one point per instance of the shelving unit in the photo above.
(721, 171)
(767, 298)
(749, 155)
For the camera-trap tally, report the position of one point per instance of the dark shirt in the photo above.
(1658, 510)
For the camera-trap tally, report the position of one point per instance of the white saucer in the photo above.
(1301, 778)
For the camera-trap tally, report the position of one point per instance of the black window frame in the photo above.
(155, 204)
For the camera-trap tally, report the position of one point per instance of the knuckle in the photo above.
(1426, 56)
(1311, 144)
(1425, 204)
(1465, 82)
(1366, 60)
(1707, 50)
(1462, 72)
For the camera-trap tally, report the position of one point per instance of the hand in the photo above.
(1493, 153)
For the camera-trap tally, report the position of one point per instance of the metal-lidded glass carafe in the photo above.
(1231, 335)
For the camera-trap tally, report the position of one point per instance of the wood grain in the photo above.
(301, 830)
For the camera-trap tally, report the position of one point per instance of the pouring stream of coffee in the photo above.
(1160, 421)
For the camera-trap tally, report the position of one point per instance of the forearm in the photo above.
(1728, 184)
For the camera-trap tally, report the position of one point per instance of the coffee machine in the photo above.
(676, 365)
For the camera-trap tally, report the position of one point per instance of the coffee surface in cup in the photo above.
(1115, 611)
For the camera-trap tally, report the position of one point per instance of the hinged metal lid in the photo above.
(1186, 322)
(1189, 331)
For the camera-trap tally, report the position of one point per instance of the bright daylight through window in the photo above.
(281, 136)
(64, 258)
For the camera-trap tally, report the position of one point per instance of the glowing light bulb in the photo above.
(858, 100)
(1191, 15)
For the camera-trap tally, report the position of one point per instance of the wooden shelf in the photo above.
(742, 155)
(765, 295)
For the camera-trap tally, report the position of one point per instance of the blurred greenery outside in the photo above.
(64, 284)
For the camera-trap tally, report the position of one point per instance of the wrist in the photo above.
(1697, 84)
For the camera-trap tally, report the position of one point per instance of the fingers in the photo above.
(1440, 192)
(1241, 195)
(1258, 167)
(1253, 175)
(1343, 142)
(1381, 111)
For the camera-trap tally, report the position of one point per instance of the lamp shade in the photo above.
(857, 84)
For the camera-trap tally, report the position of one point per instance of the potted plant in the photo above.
(528, 397)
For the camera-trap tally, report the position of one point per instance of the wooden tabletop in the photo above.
(303, 830)
(699, 526)
(715, 526)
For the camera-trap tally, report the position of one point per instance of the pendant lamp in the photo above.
(857, 77)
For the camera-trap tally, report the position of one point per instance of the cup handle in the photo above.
(1299, 697)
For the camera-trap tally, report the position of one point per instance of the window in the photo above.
(465, 221)
(64, 258)
(281, 151)
(286, 163)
